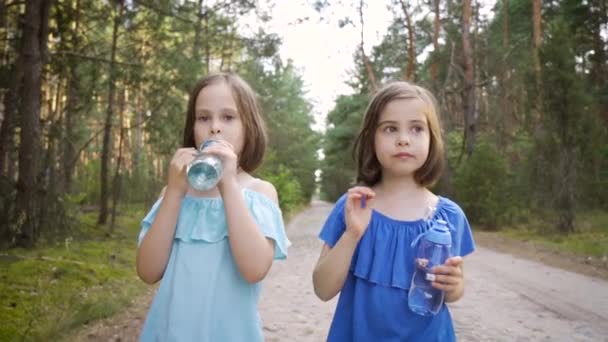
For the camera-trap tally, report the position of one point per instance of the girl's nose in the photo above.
(403, 140)
(215, 127)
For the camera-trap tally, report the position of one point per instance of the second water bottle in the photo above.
(433, 248)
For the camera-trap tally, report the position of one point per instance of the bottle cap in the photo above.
(439, 233)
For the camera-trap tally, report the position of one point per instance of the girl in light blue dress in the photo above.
(367, 254)
(211, 249)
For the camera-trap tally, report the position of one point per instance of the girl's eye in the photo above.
(202, 118)
(228, 117)
(390, 129)
(417, 129)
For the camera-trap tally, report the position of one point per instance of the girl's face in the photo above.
(402, 138)
(217, 117)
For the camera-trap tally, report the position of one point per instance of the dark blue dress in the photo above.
(373, 301)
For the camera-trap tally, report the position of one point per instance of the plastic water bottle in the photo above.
(205, 171)
(433, 248)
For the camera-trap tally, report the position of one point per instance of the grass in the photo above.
(47, 291)
(590, 238)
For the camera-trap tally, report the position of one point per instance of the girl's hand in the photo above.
(177, 181)
(225, 151)
(358, 209)
(449, 278)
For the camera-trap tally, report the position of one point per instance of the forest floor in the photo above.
(513, 288)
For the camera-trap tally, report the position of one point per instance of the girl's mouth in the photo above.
(404, 155)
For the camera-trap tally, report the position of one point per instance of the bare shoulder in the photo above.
(265, 188)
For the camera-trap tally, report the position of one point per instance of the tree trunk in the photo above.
(435, 56)
(33, 50)
(48, 182)
(116, 184)
(470, 111)
(598, 66)
(107, 143)
(566, 189)
(445, 100)
(7, 131)
(366, 61)
(226, 52)
(411, 54)
(72, 108)
(506, 79)
(207, 45)
(137, 134)
(537, 41)
(196, 47)
(8, 158)
(2, 13)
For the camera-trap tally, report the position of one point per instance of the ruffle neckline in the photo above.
(384, 255)
(203, 219)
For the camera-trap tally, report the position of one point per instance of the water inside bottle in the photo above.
(424, 299)
(202, 176)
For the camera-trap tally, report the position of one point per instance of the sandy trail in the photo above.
(507, 298)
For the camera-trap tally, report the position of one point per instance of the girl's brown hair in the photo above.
(255, 138)
(369, 170)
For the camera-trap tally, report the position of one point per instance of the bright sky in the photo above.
(321, 50)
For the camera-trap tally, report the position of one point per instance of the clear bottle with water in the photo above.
(205, 171)
(433, 248)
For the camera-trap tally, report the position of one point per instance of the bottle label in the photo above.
(430, 277)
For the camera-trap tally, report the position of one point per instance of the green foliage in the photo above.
(343, 124)
(287, 186)
(591, 238)
(292, 142)
(594, 178)
(564, 141)
(481, 186)
(521, 169)
(48, 291)
(87, 181)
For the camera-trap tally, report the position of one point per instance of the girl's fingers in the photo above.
(185, 154)
(454, 261)
(219, 149)
(444, 287)
(358, 200)
(446, 280)
(218, 145)
(360, 196)
(447, 270)
(363, 190)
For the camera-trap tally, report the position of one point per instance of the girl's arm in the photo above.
(155, 248)
(333, 264)
(252, 251)
(332, 267)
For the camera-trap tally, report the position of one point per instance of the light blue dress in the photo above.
(202, 296)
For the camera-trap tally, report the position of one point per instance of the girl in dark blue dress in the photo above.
(367, 256)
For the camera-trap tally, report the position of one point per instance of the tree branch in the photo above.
(94, 58)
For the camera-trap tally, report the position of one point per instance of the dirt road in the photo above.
(507, 298)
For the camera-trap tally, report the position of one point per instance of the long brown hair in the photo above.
(255, 138)
(369, 170)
